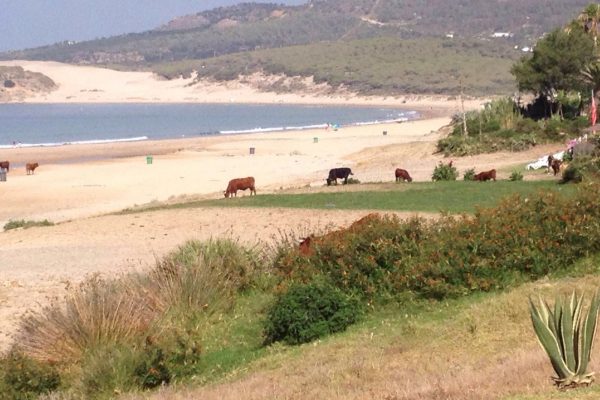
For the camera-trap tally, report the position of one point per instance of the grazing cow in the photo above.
(485, 176)
(30, 168)
(556, 164)
(402, 175)
(338, 173)
(240, 184)
(5, 165)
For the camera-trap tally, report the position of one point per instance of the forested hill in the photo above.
(253, 26)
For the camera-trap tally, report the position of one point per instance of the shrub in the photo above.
(200, 277)
(152, 371)
(306, 312)
(469, 174)
(352, 181)
(14, 224)
(444, 172)
(516, 176)
(9, 84)
(450, 257)
(22, 377)
(97, 312)
(572, 174)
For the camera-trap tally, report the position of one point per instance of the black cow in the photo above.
(338, 173)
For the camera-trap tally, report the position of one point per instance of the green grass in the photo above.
(418, 332)
(452, 197)
(14, 224)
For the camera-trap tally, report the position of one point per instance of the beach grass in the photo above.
(452, 197)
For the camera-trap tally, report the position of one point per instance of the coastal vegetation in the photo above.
(374, 66)
(560, 74)
(209, 308)
(21, 223)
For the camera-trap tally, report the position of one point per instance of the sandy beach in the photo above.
(78, 186)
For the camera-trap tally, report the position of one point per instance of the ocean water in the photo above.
(60, 124)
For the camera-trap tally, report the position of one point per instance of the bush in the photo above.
(14, 224)
(25, 378)
(96, 313)
(516, 176)
(469, 174)
(444, 172)
(306, 312)
(582, 168)
(386, 257)
(152, 371)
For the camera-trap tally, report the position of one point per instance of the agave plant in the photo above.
(566, 334)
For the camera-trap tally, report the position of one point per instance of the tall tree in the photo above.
(556, 63)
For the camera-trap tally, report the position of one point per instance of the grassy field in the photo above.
(476, 347)
(452, 197)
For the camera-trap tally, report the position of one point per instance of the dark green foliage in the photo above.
(152, 371)
(306, 312)
(500, 127)
(456, 256)
(8, 83)
(22, 377)
(581, 168)
(469, 174)
(556, 63)
(14, 224)
(515, 176)
(444, 172)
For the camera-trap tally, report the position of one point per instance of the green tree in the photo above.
(589, 19)
(556, 63)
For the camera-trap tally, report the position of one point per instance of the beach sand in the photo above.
(76, 186)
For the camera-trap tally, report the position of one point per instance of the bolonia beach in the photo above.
(79, 187)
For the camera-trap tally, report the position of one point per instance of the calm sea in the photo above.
(58, 124)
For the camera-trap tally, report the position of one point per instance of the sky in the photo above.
(33, 23)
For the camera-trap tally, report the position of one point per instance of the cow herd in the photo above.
(29, 167)
(400, 174)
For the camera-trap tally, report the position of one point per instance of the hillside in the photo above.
(374, 66)
(367, 46)
(252, 26)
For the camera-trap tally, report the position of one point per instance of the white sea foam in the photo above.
(92, 141)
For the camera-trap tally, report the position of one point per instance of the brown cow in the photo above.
(402, 175)
(240, 184)
(5, 165)
(485, 176)
(30, 168)
(556, 164)
(550, 160)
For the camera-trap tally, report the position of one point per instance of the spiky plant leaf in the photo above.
(548, 339)
(567, 333)
(588, 331)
